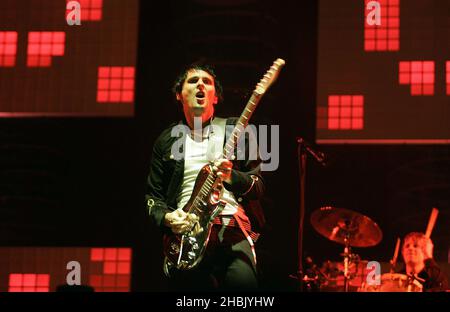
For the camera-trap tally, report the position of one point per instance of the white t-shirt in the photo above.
(195, 158)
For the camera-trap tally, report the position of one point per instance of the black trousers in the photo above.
(228, 265)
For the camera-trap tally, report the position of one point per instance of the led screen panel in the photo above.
(68, 58)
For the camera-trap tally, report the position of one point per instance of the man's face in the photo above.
(198, 95)
(413, 251)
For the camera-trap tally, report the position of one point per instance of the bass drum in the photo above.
(393, 282)
(334, 272)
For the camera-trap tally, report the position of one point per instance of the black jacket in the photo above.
(435, 278)
(166, 177)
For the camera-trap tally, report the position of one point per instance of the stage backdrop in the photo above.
(51, 68)
(383, 71)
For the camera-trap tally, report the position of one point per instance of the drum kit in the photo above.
(353, 229)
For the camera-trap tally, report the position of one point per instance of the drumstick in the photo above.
(431, 222)
(394, 259)
(397, 248)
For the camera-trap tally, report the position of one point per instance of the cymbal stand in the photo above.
(347, 256)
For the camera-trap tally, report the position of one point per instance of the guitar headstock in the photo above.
(270, 76)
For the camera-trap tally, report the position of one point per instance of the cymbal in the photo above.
(338, 223)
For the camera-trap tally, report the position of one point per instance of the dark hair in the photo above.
(179, 81)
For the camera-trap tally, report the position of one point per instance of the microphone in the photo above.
(319, 156)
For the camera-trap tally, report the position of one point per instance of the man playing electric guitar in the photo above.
(229, 262)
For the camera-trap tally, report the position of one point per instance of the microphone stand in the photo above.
(302, 150)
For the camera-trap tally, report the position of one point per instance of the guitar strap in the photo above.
(215, 149)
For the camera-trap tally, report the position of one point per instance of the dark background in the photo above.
(81, 182)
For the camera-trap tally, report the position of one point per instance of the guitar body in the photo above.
(187, 250)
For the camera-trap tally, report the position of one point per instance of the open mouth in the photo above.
(200, 95)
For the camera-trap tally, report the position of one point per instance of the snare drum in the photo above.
(393, 282)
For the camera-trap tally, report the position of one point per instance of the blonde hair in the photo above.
(422, 241)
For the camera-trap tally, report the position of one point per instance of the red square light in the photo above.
(123, 281)
(394, 22)
(357, 123)
(346, 112)
(128, 84)
(15, 289)
(10, 49)
(345, 123)
(428, 66)
(127, 96)
(97, 253)
(123, 268)
(358, 100)
(9, 61)
(59, 37)
(114, 96)
(333, 112)
(102, 96)
(369, 45)
(96, 15)
(382, 34)
(45, 61)
(96, 4)
(448, 66)
(45, 49)
(15, 280)
(115, 84)
(416, 78)
(116, 72)
(333, 100)
(394, 11)
(393, 45)
(333, 123)
(428, 89)
(416, 66)
(370, 34)
(104, 72)
(346, 100)
(404, 66)
(42, 289)
(129, 72)
(33, 49)
(416, 89)
(124, 254)
(103, 84)
(393, 34)
(109, 267)
(46, 37)
(394, 2)
(381, 45)
(111, 253)
(405, 78)
(428, 78)
(357, 112)
(109, 281)
(58, 49)
(34, 37)
(32, 61)
(29, 280)
(43, 280)
(96, 280)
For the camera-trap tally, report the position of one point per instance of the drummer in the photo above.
(417, 253)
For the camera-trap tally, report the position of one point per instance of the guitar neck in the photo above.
(240, 125)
